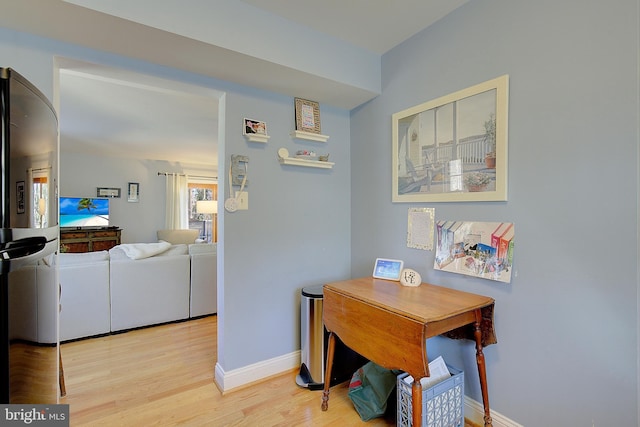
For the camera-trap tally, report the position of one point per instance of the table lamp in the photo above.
(42, 209)
(207, 207)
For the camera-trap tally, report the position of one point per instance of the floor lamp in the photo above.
(207, 207)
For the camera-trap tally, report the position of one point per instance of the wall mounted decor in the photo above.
(107, 192)
(307, 115)
(420, 228)
(309, 136)
(134, 192)
(238, 172)
(454, 148)
(322, 161)
(20, 197)
(479, 249)
(239, 165)
(255, 130)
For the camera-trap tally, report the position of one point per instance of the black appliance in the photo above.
(29, 293)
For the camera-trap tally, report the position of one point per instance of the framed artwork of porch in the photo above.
(453, 148)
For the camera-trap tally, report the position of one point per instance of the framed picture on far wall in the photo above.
(20, 197)
(107, 192)
(134, 190)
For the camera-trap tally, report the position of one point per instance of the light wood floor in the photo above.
(163, 376)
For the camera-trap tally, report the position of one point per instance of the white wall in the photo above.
(567, 325)
(81, 174)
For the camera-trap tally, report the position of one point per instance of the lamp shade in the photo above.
(42, 206)
(207, 206)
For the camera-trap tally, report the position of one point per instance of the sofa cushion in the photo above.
(117, 254)
(82, 258)
(149, 291)
(176, 237)
(203, 248)
(176, 250)
(84, 296)
(144, 250)
(204, 289)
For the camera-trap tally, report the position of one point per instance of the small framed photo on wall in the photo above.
(307, 115)
(252, 127)
(133, 192)
(107, 192)
(20, 197)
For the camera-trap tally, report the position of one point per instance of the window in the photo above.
(40, 200)
(205, 223)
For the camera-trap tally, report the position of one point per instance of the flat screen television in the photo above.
(84, 212)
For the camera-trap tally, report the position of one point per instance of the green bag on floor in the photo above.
(369, 390)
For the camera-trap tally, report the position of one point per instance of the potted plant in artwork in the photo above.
(476, 181)
(490, 141)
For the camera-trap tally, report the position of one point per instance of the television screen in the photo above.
(84, 212)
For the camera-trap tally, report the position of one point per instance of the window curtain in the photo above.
(176, 211)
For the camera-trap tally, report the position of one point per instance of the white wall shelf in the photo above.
(298, 134)
(257, 137)
(284, 159)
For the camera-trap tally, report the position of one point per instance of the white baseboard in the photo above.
(249, 374)
(227, 381)
(474, 412)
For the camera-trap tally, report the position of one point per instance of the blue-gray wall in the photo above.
(297, 229)
(567, 325)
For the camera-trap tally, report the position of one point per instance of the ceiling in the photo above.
(375, 25)
(114, 112)
(111, 112)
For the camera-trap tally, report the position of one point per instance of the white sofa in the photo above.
(204, 289)
(33, 306)
(103, 292)
(151, 290)
(84, 294)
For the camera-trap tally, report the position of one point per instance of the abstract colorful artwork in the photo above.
(479, 249)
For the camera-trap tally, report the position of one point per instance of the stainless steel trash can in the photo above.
(312, 339)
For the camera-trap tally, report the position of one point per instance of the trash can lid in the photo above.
(314, 291)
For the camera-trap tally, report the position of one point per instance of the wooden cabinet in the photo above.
(74, 241)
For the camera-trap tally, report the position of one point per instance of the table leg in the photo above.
(416, 402)
(482, 370)
(327, 372)
(63, 387)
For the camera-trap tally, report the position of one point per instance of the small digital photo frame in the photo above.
(388, 269)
